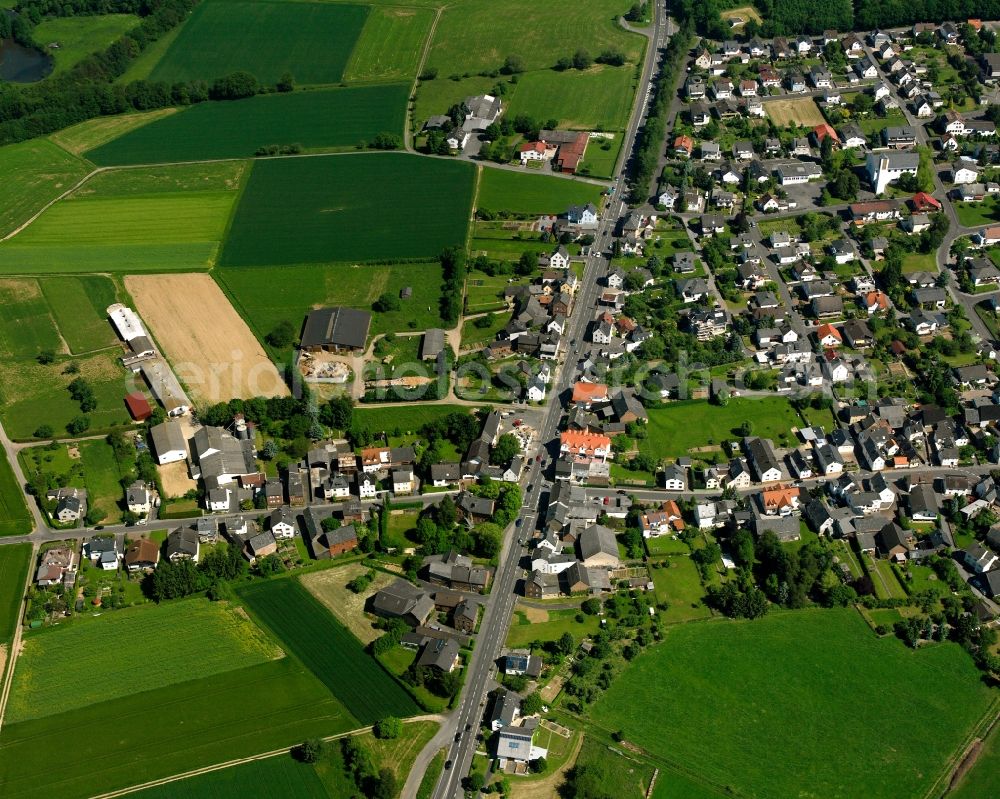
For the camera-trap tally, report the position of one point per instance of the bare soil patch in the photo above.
(175, 479)
(534, 615)
(330, 588)
(801, 111)
(208, 344)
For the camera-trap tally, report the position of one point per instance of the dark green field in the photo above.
(14, 562)
(167, 731)
(802, 703)
(526, 193)
(328, 119)
(311, 40)
(14, 516)
(274, 778)
(309, 632)
(371, 207)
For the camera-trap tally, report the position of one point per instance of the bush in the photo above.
(309, 751)
(388, 728)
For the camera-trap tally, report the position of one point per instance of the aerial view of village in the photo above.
(437, 399)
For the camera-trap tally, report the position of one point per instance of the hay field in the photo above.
(745, 13)
(799, 111)
(206, 341)
(330, 588)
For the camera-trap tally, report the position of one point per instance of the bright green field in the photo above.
(714, 699)
(14, 516)
(79, 306)
(407, 419)
(171, 231)
(15, 560)
(313, 210)
(167, 731)
(26, 326)
(599, 98)
(981, 780)
(32, 394)
(265, 296)
(308, 631)
(102, 478)
(470, 37)
(391, 44)
(33, 173)
(80, 36)
(680, 586)
(186, 640)
(237, 129)
(155, 181)
(681, 426)
(532, 195)
(311, 40)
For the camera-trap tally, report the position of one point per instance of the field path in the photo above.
(243, 760)
(408, 122)
(15, 644)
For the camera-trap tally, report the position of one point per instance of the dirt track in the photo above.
(208, 344)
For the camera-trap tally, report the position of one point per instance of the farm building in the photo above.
(165, 387)
(432, 344)
(126, 322)
(168, 442)
(138, 406)
(336, 329)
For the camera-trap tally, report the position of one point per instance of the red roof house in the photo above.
(138, 406)
(922, 201)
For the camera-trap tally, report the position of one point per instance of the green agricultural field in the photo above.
(680, 587)
(309, 632)
(981, 780)
(77, 139)
(155, 181)
(529, 195)
(599, 98)
(680, 427)
(469, 38)
(391, 44)
(312, 41)
(266, 296)
(79, 306)
(166, 731)
(238, 129)
(79, 36)
(32, 394)
(406, 419)
(26, 326)
(136, 234)
(310, 210)
(187, 640)
(725, 717)
(34, 173)
(14, 516)
(15, 560)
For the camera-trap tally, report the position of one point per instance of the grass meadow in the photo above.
(79, 36)
(32, 394)
(312, 41)
(524, 630)
(265, 296)
(469, 39)
(680, 427)
(135, 234)
(102, 477)
(91, 133)
(99, 660)
(26, 325)
(981, 779)
(168, 730)
(155, 181)
(78, 305)
(237, 129)
(390, 45)
(15, 560)
(598, 98)
(679, 585)
(532, 194)
(34, 173)
(14, 516)
(308, 631)
(313, 210)
(406, 419)
(836, 718)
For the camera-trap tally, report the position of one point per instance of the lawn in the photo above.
(32, 394)
(601, 157)
(34, 173)
(402, 524)
(474, 335)
(391, 44)
(629, 778)
(598, 98)
(26, 325)
(404, 419)
(79, 36)
(469, 39)
(102, 477)
(166, 731)
(15, 560)
(919, 262)
(528, 195)
(524, 630)
(484, 292)
(680, 586)
(888, 587)
(79, 306)
(680, 427)
(265, 296)
(326, 647)
(310, 210)
(187, 640)
(238, 129)
(312, 41)
(830, 716)
(977, 214)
